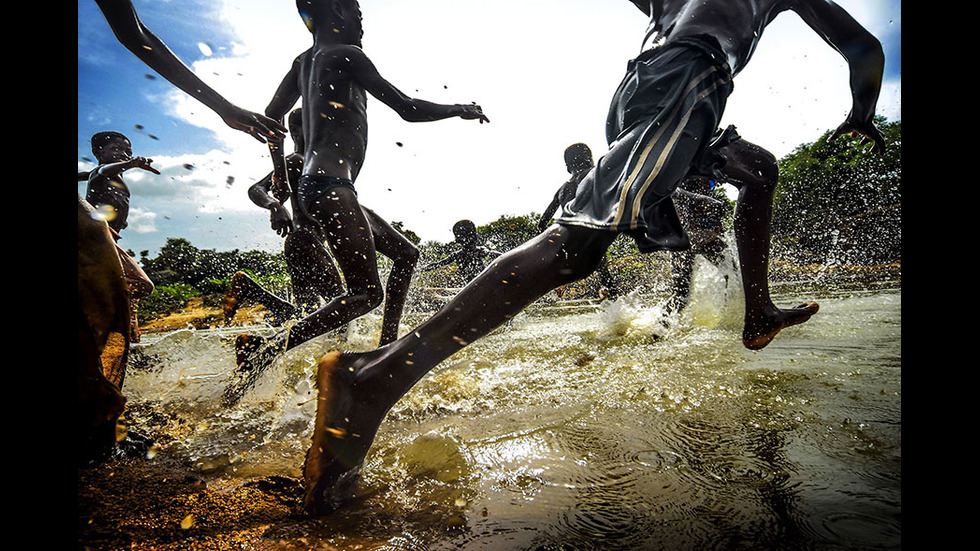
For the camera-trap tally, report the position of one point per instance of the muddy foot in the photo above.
(758, 334)
(253, 354)
(231, 302)
(245, 347)
(346, 421)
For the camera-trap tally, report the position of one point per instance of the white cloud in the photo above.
(141, 221)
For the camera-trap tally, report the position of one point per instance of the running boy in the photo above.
(334, 78)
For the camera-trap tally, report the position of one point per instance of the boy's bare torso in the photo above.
(737, 24)
(334, 113)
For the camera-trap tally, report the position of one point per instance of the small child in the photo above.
(107, 191)
(108, 195)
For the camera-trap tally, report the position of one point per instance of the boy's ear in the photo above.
(338, 8)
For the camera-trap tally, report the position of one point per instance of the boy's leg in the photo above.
(391, 243)
(356, 390)
(312, 270)
(754, 171)
(243, 288)
(140, 286)
(681, 273)
(348, 233)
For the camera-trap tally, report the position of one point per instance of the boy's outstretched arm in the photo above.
(545, 219)
(440, 263)
(112, 169)
(865, 59)
(130, 31)
(409, 109)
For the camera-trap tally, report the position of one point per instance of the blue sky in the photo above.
(543, 70)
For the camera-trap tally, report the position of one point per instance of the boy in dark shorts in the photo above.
(334, 78)
(312, 270)
(662, 118)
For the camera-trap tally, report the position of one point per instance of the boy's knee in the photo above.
(764, 170)
(373, 296)
(370, 295)
(410, 255)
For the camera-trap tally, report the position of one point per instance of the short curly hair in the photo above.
(100, 139)
(578, 156)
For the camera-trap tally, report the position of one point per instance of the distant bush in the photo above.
(166, 299)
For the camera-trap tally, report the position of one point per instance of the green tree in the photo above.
(507, 232)
(835, 200)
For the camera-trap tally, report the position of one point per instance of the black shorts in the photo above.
(312, 187)
(661, 121)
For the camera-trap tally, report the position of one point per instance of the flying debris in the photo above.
(189, 166)
(230, 180)
(148, 76)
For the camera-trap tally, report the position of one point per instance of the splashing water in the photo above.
(615, 426)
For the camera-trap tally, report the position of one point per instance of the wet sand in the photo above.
(139, 504)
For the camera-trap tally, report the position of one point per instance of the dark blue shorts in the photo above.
(312, 187)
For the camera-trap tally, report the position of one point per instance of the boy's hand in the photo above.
(282, 224)
(473, 111)
(260, 127)
(869, 134)
(144, 163)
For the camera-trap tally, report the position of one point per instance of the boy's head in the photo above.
(111, 146)
(578, 157)
(464, 230)
(339, 17)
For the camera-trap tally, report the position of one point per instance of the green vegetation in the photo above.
(182, 271)
(836, 203)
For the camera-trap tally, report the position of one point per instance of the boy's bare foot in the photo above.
(245, 347)
(759, 333)
(347, 419)
(253, 354)
(231, 302)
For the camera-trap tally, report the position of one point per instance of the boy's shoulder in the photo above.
(335, 53)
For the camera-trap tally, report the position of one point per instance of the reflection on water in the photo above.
(602, 429)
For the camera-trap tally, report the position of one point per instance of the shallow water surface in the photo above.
(595, 429)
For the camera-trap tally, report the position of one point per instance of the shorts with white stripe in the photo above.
(661, 120)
